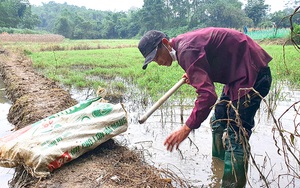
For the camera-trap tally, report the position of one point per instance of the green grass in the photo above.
(284, 69)
(91, 68)
(99, 67)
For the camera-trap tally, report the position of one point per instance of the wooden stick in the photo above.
(161, 100)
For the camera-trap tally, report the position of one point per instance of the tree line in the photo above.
(171, 16)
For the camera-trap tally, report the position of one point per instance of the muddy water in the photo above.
(6, 174)
(193, 162)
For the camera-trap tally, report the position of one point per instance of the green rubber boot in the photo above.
(235, 161)
(217, 134)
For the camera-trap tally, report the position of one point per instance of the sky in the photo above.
(124, 5)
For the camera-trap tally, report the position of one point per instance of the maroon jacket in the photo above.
(218, 55)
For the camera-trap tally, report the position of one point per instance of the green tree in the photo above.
(199, 14)
(134, 24)
(29, 20)
(152, 15)
(218, 13)
(280, 18)
(292, 3)
(63, 27)
(48, 13)
(11, 12)
(256, 10)
(171, 16)
(179, 11)
(85, 30)
(17, 14)
(223, 13)
(108, 28)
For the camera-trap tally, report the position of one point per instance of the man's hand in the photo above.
(177, 137)
(187, 80)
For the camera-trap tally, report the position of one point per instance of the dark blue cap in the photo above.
(148, 45)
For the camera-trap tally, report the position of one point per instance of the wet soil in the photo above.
(35, 97)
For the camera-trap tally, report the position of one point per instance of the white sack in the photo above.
(48, 144)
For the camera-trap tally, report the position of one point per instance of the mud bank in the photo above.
(35, 97)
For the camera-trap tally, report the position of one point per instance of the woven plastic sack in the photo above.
(48, 144)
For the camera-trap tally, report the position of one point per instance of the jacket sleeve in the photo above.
(198, 73)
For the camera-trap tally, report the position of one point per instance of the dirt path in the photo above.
(35, 97)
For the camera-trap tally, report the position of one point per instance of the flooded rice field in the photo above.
(193, 162)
